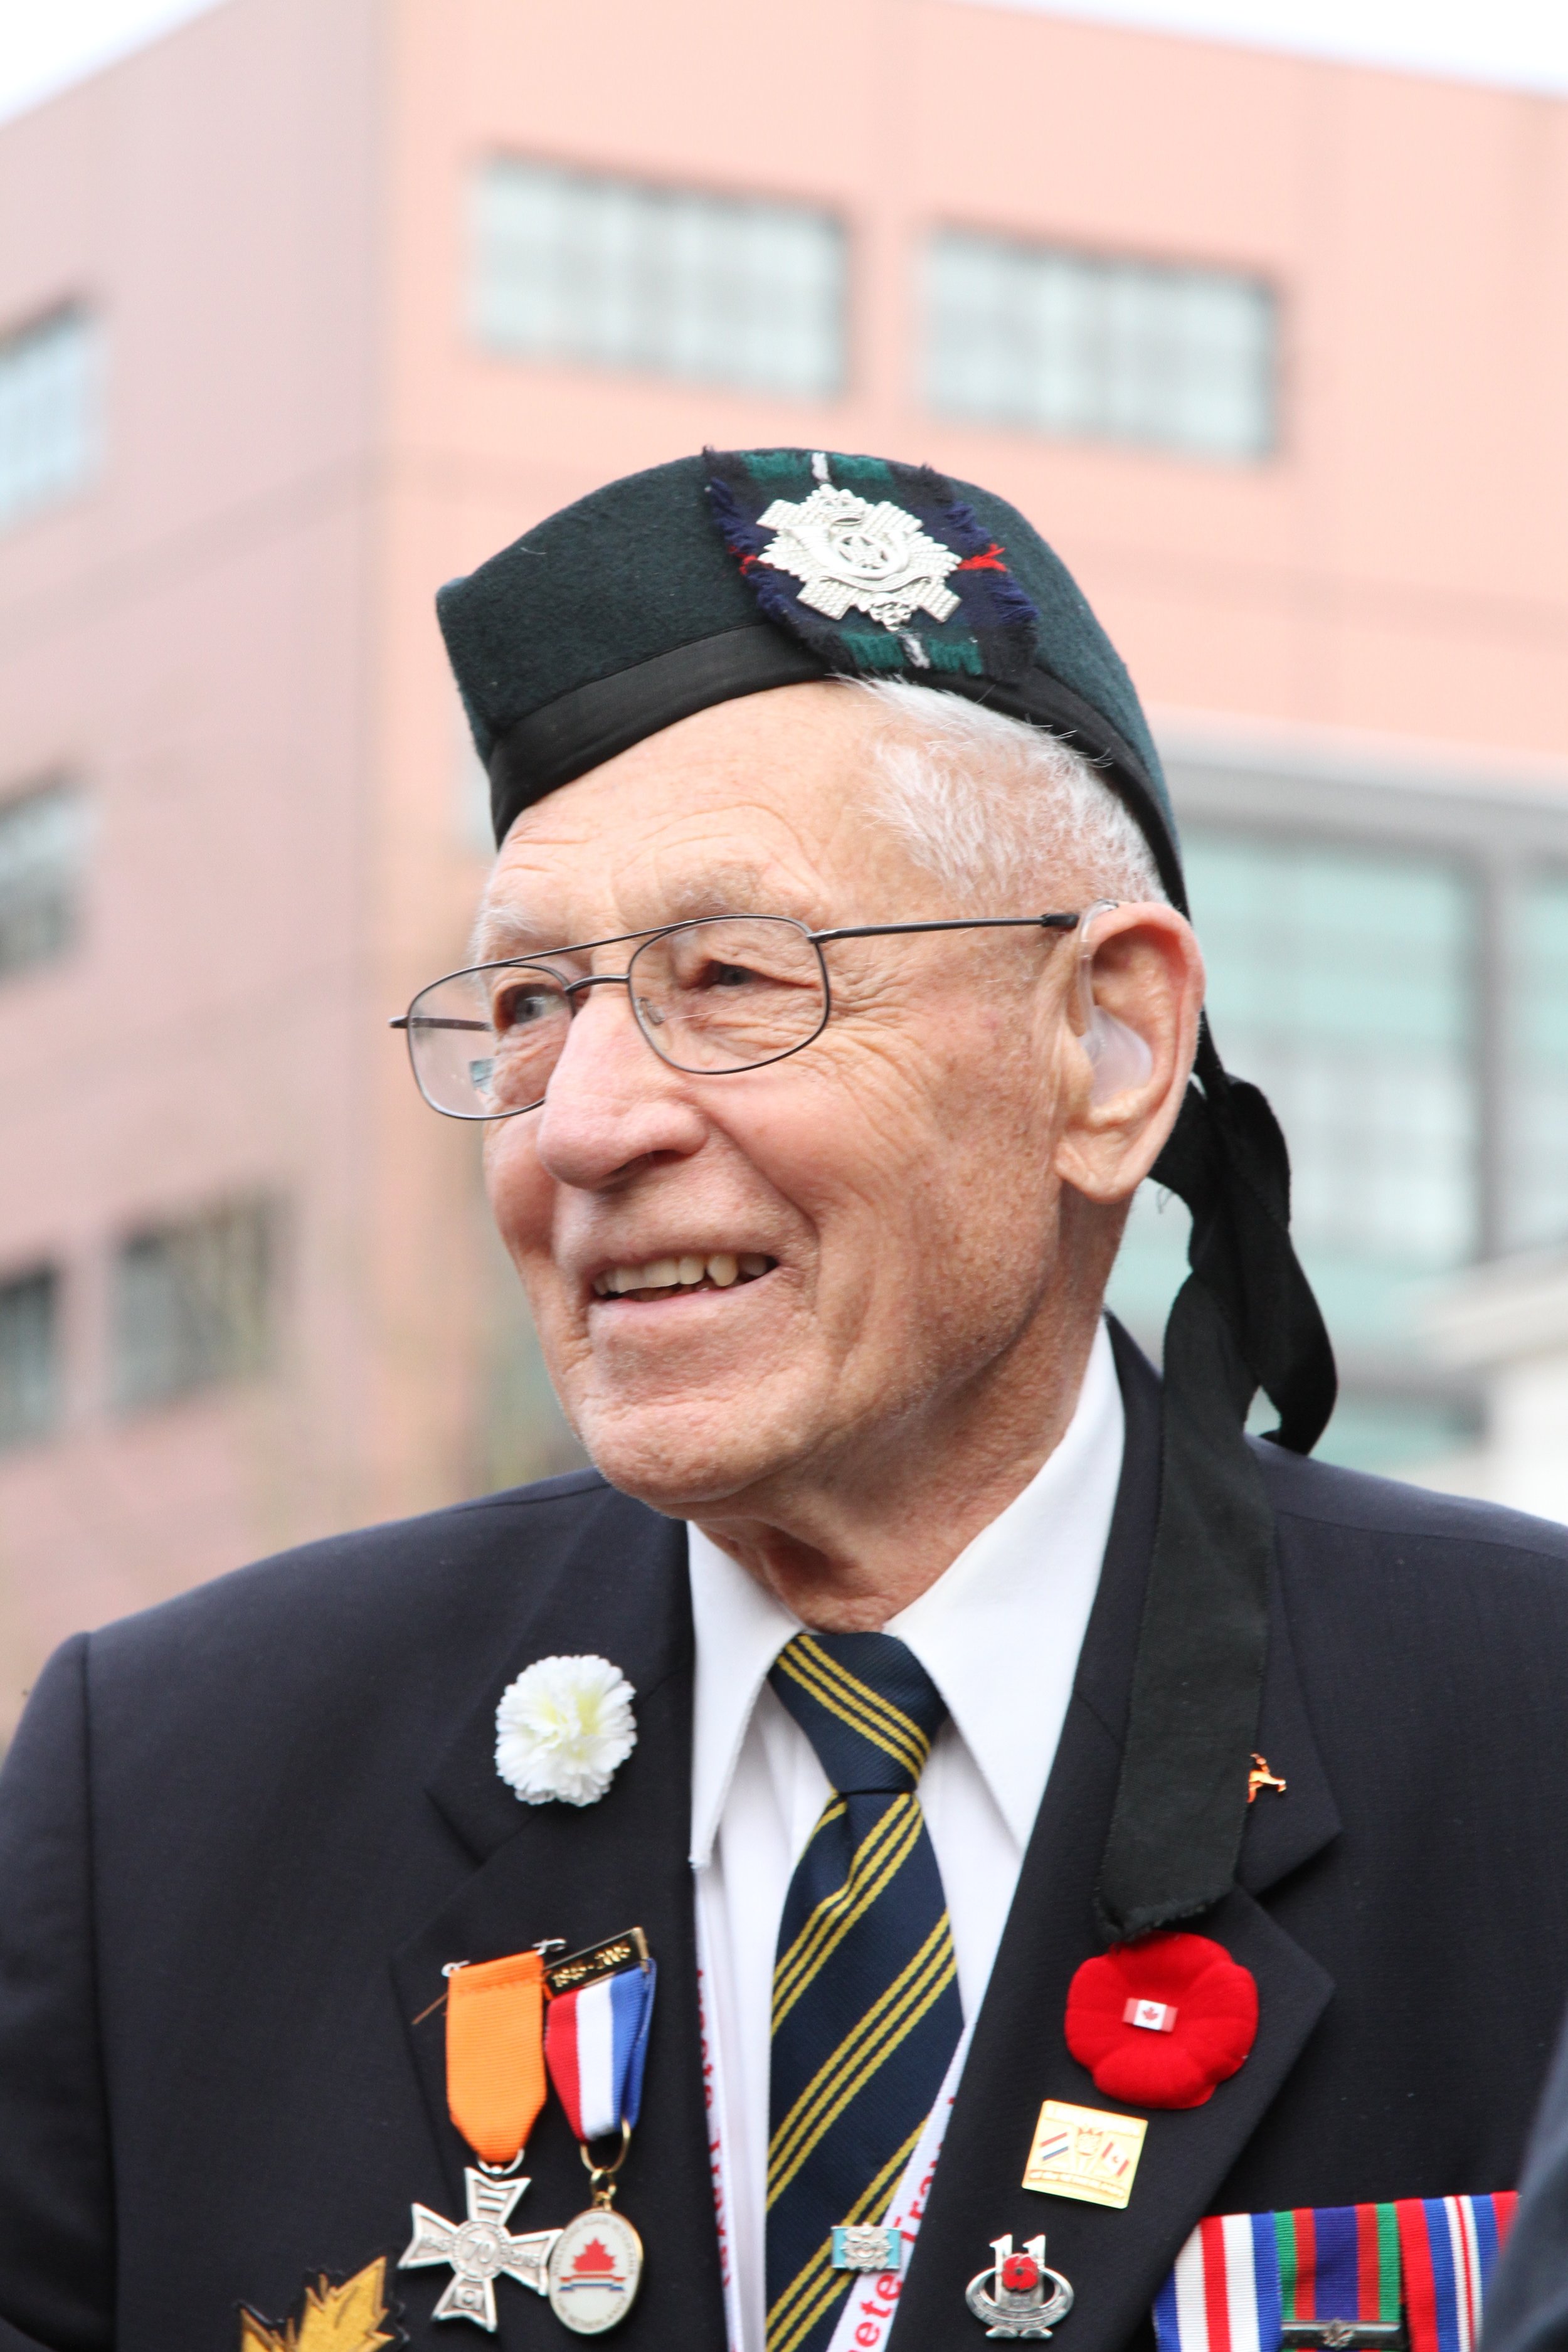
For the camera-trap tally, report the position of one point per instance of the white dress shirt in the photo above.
(999, 1633)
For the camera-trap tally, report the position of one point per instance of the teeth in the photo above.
(721, 1267)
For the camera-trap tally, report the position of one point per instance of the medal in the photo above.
(495, 2088)
(1013, 2297)
(595, 2047)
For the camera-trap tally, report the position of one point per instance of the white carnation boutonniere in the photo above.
(563, 1728)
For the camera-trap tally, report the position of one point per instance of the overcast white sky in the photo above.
(45, 43)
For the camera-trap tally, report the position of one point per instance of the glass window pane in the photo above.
(194, 1303)
(1343, 981)
(1537, 1208)
(43, 844)
(29, 1318)
(49, 404)
(1122, 348)
(734, 291)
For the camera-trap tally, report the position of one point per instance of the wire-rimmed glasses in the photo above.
(719, 994)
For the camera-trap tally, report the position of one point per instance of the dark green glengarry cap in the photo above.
(739, 572)
(655, 597)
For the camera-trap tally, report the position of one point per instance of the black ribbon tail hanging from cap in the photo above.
(1245, 1318)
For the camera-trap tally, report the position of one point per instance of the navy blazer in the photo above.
(240, 1834)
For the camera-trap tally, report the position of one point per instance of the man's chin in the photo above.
(680, 1463)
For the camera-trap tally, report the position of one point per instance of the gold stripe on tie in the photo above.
(872, 1718)
(828, 2282)
(857, 2057)
(878, 1861)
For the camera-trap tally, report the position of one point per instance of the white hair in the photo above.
(997, 809)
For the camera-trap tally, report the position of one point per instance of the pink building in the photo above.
(316, 302)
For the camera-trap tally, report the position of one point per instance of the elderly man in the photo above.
(932, 1819)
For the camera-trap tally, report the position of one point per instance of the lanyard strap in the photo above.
(871, 2301)
(871, 2304)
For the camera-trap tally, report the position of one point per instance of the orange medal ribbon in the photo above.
(495, 2054)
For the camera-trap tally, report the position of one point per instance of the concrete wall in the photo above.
(190, 640)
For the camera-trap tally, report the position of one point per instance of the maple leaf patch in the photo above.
(347, 2318)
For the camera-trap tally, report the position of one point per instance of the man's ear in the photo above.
(1130, 1034)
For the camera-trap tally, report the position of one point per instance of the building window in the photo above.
(1344, 978)
(1118, 350)
(50, 430)
(1388, 959)
(1344, 981)
(43, 842)
(1537, 963)
(194, 1303)
(730, 290)
(29, 1375)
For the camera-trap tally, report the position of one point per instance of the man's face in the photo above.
(890, 1188)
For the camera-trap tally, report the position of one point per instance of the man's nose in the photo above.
(611, 1102)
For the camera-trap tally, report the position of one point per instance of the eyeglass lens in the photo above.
(729, 993)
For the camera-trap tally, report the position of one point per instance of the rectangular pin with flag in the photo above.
(1085, 2154)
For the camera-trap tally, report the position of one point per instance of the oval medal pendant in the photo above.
(596, 2269)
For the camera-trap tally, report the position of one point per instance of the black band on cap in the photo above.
(592, 723)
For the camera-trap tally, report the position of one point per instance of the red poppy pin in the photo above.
(1160, 2024)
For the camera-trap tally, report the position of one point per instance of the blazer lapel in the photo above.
(1115, 2261)
(582, 1873)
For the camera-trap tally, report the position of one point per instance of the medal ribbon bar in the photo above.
(1346, 2278)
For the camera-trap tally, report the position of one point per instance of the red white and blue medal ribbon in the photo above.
(595, 2047)
(1450, 2246)
(1244, 2282)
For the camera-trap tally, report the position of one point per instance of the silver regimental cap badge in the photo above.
(849, 552)
(1018, 2296)
(480, 2249)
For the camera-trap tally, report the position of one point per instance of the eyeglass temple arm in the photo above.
(431, 1020)
(851, 931)
(955, 923)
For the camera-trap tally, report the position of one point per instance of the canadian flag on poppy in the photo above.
(1162, 2023)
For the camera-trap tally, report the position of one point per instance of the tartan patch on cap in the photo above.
(877, 567)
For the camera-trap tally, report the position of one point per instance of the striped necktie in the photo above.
(865, 2005)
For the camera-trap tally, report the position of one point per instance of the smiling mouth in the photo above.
(664, 1277)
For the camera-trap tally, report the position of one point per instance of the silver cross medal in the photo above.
(480, 2249)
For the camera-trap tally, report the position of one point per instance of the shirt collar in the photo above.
(1000, 1630)
(740, 1629)
(997, 1632)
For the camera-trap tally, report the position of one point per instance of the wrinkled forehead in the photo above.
(769, 805)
